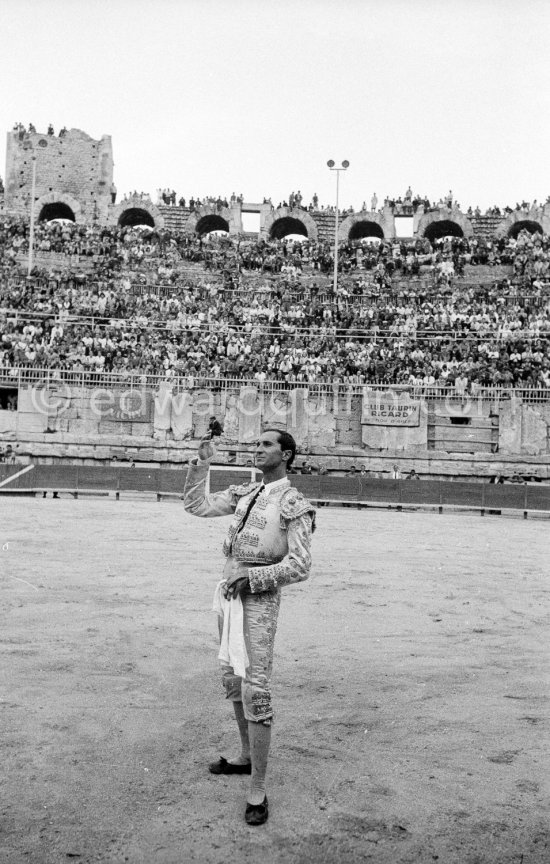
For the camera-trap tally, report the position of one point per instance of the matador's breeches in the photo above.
(260, 612)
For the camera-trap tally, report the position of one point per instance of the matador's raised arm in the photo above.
(222, 503)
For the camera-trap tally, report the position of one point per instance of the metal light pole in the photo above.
(345, 166)
(31, 231)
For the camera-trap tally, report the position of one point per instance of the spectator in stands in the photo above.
(215, 428)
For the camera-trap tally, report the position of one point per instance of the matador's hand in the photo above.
(238, 588)
(237, 584)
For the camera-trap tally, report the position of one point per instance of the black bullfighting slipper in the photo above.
(256, 814)
(222, 766)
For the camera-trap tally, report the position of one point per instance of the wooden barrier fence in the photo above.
(361, 491)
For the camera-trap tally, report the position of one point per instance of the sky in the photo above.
(210, 97)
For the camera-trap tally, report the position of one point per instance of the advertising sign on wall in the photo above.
(134, 406)
(388, 408)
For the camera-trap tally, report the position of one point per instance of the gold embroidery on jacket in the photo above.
(256, 521)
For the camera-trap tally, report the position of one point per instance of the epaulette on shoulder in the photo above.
(239, 490)
(293, 504)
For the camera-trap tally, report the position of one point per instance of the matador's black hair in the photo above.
(286, 441)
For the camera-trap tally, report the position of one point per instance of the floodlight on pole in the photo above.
(28, 145)
(31, 230)
(345, 165)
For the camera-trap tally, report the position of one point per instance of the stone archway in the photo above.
(58, 210)
(285, 226)
(137, 211)
(285, 220)
(133, 216)
(57, 205)
(535, 219)
(441, 223)
(211, 222)
(442, 228)
(364, 224)
(524, 225)
(205, 215)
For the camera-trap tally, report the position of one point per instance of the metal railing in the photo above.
(26, 376)
(356, 332)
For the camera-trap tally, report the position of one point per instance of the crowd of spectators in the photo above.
(159, 303)
(115, 247)
(406, 205)
(168, 198)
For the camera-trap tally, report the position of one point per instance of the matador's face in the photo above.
(269, 455)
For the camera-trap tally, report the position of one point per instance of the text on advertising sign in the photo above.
(387, 408)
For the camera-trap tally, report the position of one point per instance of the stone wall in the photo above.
(334, 428)
(74, 169)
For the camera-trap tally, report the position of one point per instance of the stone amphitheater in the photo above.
(439, 434)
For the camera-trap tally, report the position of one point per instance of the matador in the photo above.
(267, 547)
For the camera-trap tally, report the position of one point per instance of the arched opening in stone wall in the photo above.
(210, 223)
(58, 210)
(285, 226)
(443, 228)
(134, 216)
(524, 225)
(364, 228)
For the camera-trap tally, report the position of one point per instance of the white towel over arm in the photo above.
(232, 645)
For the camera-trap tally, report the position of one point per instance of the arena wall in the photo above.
(76, 171)
(449, 437)
(72, 169)
(385, 220)
(533, 216)
(132, 204)
(422, 220)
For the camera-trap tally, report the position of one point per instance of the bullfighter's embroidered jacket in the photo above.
(275, 542)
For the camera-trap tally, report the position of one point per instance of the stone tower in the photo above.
(74, 175)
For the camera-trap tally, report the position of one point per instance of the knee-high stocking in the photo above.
(242, 723)
(260, 739)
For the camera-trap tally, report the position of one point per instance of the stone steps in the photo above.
(485, 226)
(175, 218)
(325, 226)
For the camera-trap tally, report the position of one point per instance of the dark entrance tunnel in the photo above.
(285, 226)
(444, 228)
(211, 223)
(363, 229)
(135, 216)
(524, 225)
(57, 210)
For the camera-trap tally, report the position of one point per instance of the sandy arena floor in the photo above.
(411, 688)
